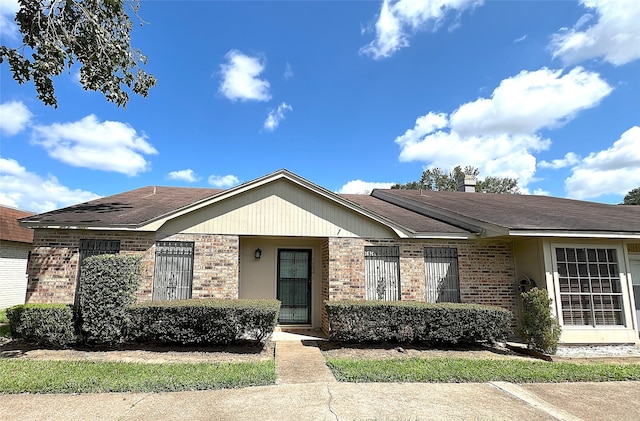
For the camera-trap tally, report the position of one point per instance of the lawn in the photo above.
(19, 376)
(461, 370)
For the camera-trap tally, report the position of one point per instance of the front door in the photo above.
(294, 286)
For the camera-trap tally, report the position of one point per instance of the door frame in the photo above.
(309, 252)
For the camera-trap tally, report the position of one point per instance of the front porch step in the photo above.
(301, 362)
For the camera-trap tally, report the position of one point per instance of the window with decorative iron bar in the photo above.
(382, 273)
(441, 271)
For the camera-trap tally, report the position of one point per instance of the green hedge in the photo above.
(108, 284)
(408, 321)
(42, 324)
(209, 321)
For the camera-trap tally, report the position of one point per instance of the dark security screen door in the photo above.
(294, 281)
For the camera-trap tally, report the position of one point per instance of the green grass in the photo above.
(450, 370)
(3, 316)
(19, 376)
(4, 328)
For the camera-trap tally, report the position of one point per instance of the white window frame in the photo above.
(622, 276)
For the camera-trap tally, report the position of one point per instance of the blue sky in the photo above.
(350, 95)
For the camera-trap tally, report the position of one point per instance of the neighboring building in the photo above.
(15, 246)
(281, 236)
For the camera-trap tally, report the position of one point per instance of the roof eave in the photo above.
(575, 234)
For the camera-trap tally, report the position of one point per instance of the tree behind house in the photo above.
(437, 179)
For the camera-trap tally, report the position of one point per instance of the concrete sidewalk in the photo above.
(306, 389)
(343, 401)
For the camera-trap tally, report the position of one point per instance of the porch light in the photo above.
(258, 253)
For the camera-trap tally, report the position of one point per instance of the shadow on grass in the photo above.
(18, 348)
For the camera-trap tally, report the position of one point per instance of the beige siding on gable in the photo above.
(278, 209)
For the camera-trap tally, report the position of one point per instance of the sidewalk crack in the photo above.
(133, 405)
(330, 401)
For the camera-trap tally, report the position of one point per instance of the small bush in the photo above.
(539, 329)
(203, 321)
(107, 287)
(42, 324)
(407, 321)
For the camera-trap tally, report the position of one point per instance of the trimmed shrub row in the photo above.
(203, 321)
(43, 324)
(407, 321)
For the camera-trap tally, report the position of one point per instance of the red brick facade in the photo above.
(53, 266)
(486, 268)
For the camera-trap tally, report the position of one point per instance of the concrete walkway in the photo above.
(306, 389)
(299, 360)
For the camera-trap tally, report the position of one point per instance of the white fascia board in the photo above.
(574, 234)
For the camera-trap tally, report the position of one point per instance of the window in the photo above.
(441, 269)
(382, 273)
(589, 284)
(173, 274)
(97, 247)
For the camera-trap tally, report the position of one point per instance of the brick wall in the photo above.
(216, 265)
(53, 267)
(486, 269)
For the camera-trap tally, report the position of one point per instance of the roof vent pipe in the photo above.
(467, 184)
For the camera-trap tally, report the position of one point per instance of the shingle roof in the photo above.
(9, 228)
(402, 217)
(526, 212)
(130, 208)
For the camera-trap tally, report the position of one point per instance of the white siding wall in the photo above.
(13, 277)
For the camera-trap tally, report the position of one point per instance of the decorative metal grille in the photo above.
(590, 290)
(441, 269)
(294, 286)
(382, 273)
(173, 274)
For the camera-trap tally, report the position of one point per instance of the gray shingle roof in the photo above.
(130, 208)
(402, 217)
(526, 212)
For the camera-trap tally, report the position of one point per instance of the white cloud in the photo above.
(522, 38)
(240, 79)
(541, 192)
(615, 170)
(568, 160)
(8, 10)
(615, 36)
(223, 181)
(530, 101)
(363, 187)
(26, 190)
(398, 19)
(499, 135)
(288, 71)
(183, 175)
(14, 117)
(107, 146)
(276, 116)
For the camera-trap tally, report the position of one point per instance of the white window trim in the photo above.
(623, 268)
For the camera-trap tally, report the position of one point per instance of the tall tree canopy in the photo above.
(436, 179)
(94, 33)
(633, 197)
